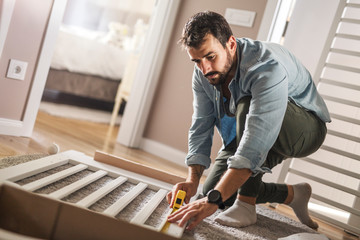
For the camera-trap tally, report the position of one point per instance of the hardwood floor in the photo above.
(87, 137)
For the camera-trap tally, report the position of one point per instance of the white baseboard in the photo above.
(11, 127)
(166, 152)
(161, 150)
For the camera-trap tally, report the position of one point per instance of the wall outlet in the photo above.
(240, 17)
(17, 69)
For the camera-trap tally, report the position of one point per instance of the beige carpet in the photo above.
(270, 225)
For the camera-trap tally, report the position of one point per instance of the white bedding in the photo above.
(86, 52)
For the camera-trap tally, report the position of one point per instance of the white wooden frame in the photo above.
(81, 162)
(6, 11)
(269, 19)
(147, 73)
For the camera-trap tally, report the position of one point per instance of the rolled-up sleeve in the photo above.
(202, 127)
(269, 91)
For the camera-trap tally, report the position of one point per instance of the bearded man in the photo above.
(266, 108)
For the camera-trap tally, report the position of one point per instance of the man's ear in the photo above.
(231, 44)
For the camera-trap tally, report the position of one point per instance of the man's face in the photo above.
(212, 59)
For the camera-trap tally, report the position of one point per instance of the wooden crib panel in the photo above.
(154, 179)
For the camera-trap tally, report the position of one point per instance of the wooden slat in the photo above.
(65, 191)
(349, 228)
(119, 205)
(340, 100)
(100, 193)
(348, 29)
(342, 67)
(345, 93)
(343, 111)
(148, 209)
(348, 43)
(345, 52)
(340, 84)
(28, 169)
(54, 177)
(341, 76)
(352, 11)
(325, 182)
(343, 135)
(137, 168)
(345, 119)
(350, 20)
(341, 152)
(348, 36)
(343, 60)
(331, 167)
(336, 204)
(31, 168)
(354, 5)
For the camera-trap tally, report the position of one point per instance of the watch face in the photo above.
(214, 196)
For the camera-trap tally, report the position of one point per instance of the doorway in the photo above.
(97, 47)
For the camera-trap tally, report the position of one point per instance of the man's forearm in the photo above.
(231, 181)
(195, 172)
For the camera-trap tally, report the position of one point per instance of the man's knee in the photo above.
(301, 133)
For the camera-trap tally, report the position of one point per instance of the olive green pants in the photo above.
(301, 134)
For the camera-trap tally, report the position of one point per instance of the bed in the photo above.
(90, 64)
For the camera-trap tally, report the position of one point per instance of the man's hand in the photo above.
(197, 211)
(232, 180)
(189, 187)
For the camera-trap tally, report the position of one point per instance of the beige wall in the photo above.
(23, 42)
(170, 115)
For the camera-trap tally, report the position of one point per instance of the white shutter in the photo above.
(334, 170)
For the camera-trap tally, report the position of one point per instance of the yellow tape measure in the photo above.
(179, 200)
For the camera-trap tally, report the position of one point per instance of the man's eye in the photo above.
(211, 57)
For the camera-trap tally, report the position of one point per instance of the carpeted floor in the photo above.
(270, 225)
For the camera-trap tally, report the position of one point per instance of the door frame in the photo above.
(148, 73)
(25, 126)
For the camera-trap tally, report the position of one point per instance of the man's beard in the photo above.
(221, 75)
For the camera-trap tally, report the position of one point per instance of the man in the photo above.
(266, 108)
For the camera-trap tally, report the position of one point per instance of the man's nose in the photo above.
(205, 67)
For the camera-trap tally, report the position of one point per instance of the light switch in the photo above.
(239, 17)
(17, 69)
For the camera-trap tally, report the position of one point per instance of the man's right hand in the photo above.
(189, 187)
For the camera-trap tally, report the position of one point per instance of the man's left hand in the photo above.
(197, 211)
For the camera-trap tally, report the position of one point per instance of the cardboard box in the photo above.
(36, 216)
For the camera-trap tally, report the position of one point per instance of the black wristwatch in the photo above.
(214, 196)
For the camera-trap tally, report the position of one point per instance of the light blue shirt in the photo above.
(271, 75)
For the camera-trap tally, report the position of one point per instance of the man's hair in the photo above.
(203, 23)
